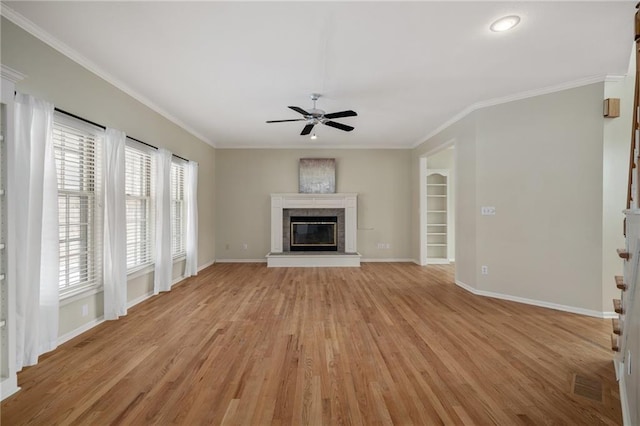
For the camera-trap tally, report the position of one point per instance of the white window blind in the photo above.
(178, 225)
(77, 151)
(139, 187)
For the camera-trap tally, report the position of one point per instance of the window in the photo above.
(76, 147)
(178, 225)
(139, 187)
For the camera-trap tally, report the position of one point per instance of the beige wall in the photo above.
(539, 162)
(54, 77)
(247, 177)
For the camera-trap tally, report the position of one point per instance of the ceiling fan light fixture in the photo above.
(505, 23)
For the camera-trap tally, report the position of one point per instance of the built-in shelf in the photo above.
(437, 211)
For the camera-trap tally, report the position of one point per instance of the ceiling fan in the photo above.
(317, 116)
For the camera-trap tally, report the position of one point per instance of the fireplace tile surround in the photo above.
(285, 205)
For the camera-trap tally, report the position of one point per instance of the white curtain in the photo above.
(115, 225)
(164, 260)
(35, 211)
(191, 195)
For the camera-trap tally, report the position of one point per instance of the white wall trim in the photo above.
(390, 260)
(10, 74)
(8, 387)
(533, 302)
(511, 98)
(206, 265)
(75, 56)
(78, 331)
(134, 302)
(241, 260)
(624, 399)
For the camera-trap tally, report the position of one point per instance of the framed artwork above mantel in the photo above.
(317, 176)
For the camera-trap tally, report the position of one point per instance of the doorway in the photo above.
(437, 206)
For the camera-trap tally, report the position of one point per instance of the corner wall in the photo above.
(539, 162)
(55, 78)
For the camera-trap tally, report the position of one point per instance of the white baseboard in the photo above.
(8, 386)
(388, 260)
(624, 399)
(134, 302)
(78, 331)
(241, 260)
(540, 303)
(206, 265)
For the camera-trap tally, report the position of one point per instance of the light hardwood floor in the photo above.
(382, 344)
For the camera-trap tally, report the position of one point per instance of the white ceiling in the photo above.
(221, 69)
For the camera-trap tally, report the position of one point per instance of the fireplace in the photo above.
(314, 207)
(314, 233)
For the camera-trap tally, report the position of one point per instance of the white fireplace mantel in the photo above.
(346, 201)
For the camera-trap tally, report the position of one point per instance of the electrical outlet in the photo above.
(85, 310)
(484, 270)
(380, 245)
(387, 246)
(245, 246)
(488, 210)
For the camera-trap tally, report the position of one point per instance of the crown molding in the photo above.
(315, 146)
(517, 97)
(75, 56)
(11, 74)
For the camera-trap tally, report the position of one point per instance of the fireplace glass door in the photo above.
(314, 233)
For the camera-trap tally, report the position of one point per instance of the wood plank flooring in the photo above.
(386, 343)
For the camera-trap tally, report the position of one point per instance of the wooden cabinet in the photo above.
(437, 216)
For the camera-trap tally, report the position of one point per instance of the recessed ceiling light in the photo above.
(506, 23)
(314, 137)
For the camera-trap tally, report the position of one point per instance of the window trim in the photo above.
(96, 225)
(144, 149)
(183, 165)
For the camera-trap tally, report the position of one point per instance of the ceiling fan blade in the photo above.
(307, 129)
(341, 114)
(282, 121)
(299, 110)
(338, 126)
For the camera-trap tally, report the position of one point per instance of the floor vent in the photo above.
(587, 387)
